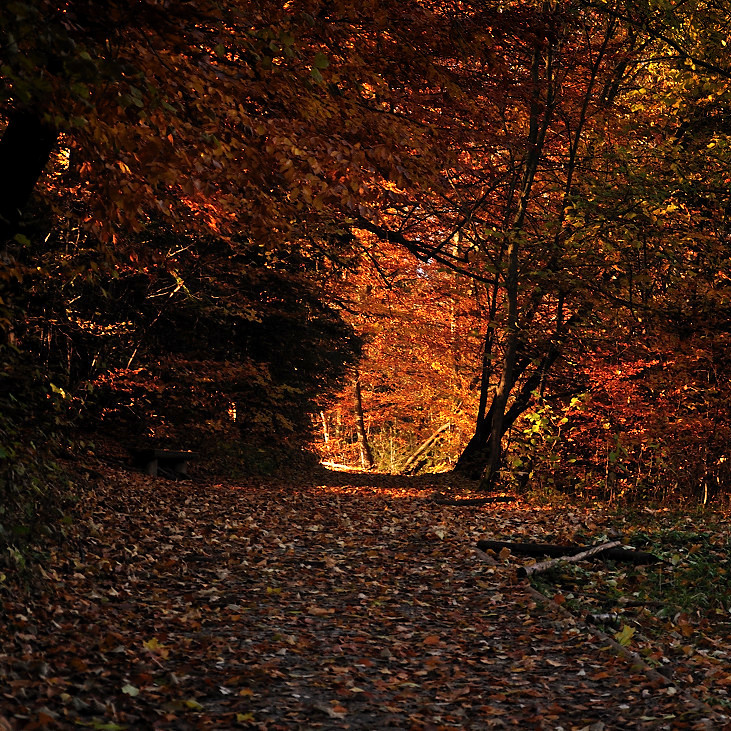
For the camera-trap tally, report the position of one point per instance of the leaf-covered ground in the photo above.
(352, 602)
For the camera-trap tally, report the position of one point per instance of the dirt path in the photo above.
(184, 606)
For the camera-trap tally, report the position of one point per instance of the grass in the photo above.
(677, 612)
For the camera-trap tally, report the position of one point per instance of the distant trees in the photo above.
(237, 193)
(574, 198)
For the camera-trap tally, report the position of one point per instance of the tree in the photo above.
(572, 202)
(512, 144)
(538, 92)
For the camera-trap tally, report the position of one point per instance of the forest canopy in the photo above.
(506, 223)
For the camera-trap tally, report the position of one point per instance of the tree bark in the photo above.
(25, 148)
(366, 455)
(507, 377)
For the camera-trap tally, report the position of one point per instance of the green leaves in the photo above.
(625, 635)
(319, 63)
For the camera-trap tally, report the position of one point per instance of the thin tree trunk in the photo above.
(325, 430)
(538, 568)
(487, 354)
(366, 456)
(507, 378)
(540, 118)
(556, 551)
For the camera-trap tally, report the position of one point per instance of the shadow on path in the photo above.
(437, 481)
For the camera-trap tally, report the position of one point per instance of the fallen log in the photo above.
(626, 555)
(537, 568)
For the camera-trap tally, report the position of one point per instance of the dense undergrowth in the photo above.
(36, 486)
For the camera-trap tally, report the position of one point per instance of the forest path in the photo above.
(357, 604)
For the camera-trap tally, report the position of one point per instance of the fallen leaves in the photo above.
(279, 606)
(625, 635)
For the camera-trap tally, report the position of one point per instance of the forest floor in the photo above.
(355, 602)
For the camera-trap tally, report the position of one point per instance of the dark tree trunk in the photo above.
(25, 148)
(476, 455)
(486, 445)
(471, 463)
(628, 555)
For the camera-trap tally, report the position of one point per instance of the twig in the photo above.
(486, 557)
(545, 565)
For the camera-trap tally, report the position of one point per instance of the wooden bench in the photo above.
(161, 461)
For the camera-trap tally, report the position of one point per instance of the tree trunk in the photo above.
(471, 463)
(25, 148)
(487, 440)
(543, 566)
(366, 456)
(507, 378)
(325, 430)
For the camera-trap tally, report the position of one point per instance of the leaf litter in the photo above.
(349, 602)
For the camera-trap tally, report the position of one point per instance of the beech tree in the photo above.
(514, 145)
(571, 239)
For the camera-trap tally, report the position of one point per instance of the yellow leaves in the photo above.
(156, 647)
(625, 635)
